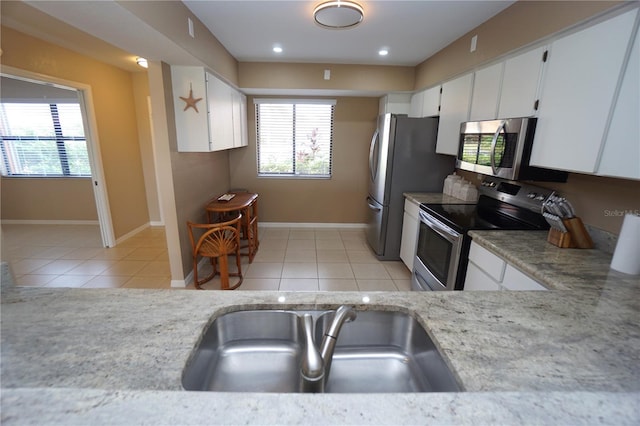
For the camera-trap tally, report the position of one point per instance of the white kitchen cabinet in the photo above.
(581, 76)
(425, 103)
(431, 102)
(240, 137)
(410, 228)
(621, 154)
(478, 280)
(395, 103)
(486, 93)
(220, 100)
(220, 120)
(415, 107)
(520, 82)
(488, 271)
(192, 127)
(454, 110)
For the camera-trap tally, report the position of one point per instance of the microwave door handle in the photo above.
(373, 168)
(494, 142)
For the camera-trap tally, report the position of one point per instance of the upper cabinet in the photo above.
(486, 91)
(210, 115)
(454, 110)
(621, 154)
(425, 103)
(580, 83)
(509, 88)
(395, 103)
(520, 82)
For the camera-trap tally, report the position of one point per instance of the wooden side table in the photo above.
(247, 204)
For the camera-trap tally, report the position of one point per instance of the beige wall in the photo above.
(340, 199)
(115, 114)
(141, 93)
(350, 78)
(163, 15)
(48, 199)
(519, 25)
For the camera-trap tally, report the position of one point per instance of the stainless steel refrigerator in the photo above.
(402, 158)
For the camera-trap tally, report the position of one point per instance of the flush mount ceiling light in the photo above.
(338, 14)
(142, 62)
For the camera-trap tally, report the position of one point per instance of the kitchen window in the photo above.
(43, 140)
(294, 137)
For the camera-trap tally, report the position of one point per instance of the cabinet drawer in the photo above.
(411, 208)
(516, 280)
(491, 264)
(477, 280)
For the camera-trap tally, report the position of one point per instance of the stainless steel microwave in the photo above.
(502, 148)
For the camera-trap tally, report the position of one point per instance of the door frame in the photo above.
(85, 98)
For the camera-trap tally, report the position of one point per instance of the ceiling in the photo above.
(412, 31)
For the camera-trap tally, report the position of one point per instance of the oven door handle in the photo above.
(443, 230)
(494, 142)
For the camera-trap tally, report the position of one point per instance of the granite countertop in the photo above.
(434, 198)
(115, 356)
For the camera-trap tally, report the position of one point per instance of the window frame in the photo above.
(299, 101)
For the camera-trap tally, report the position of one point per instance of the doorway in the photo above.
(76, 152)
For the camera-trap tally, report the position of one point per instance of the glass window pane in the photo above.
(294, 139)
(31, 147)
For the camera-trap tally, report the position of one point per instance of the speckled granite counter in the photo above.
(434, 198)
(553, 267)
(116, 356)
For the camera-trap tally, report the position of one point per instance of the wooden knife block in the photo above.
(576, 237)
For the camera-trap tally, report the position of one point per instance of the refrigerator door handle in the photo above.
(371, 206)
(373, 161)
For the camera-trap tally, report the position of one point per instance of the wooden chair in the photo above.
(217, 242)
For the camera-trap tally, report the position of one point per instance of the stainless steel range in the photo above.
(443, 240)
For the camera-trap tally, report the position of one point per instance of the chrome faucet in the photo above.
(316, 363)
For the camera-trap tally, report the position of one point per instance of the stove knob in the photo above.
(532, 195)
(540, 197)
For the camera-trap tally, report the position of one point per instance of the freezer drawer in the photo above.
(376, 226)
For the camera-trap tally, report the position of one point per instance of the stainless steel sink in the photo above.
(247, 351)
(260, 351)
(385, 352)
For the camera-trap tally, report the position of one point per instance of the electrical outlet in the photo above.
(474, 43)
(327, 74)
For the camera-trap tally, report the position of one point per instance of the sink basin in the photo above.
(247, 351)
(260, 351)
(385, 352)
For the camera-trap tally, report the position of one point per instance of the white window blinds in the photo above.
(41, 139)
(294, 137)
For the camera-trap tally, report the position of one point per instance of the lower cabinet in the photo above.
(487, 271)
(410, 228)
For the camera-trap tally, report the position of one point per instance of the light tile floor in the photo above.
(289, 259)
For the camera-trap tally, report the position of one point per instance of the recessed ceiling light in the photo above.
(383, 52)
(277, 49)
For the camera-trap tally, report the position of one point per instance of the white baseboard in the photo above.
(49, 222)
(310, 225)
(132, 233)
(179, 283)
(156, 223)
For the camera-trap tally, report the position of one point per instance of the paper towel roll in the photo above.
(626, 258)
